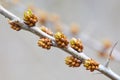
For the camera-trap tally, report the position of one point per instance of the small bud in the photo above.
(54, 18)
(61, 39)
(74, 28)
(76, 44)
(107, 44)
(91, 65)
(46, 30)
(72, 61)
(58, 27)
(29, 18)
(45, 43)
(43, 17)
(15, 26)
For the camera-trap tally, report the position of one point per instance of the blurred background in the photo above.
(22, 59)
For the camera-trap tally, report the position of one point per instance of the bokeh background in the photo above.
(22, 59)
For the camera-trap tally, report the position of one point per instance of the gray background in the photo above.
(22, 59)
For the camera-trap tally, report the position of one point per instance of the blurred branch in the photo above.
(109, 57)
(109, 73)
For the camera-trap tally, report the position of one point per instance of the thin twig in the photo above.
(109, 73)
(109, 56)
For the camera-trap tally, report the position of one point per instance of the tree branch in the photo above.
(108, 72)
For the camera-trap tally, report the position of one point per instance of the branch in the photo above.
(109, 57)
(35, 30)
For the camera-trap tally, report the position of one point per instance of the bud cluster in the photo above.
(46, 30)
(71, 61)
(45, 43)
(15, 26)
(91, 65)
(61, 39)
(74, 29)
(76, 44)
(107, 44)
(29, 18)
(43, 17)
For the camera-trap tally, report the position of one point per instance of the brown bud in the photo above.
(91, 65)
(45, 43)
(72, 61)
(29, 18)
(61, 39)
(14, 26)
(46, 30)
(76, 44)
(74, 28)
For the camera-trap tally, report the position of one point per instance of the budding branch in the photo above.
(81, 56)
